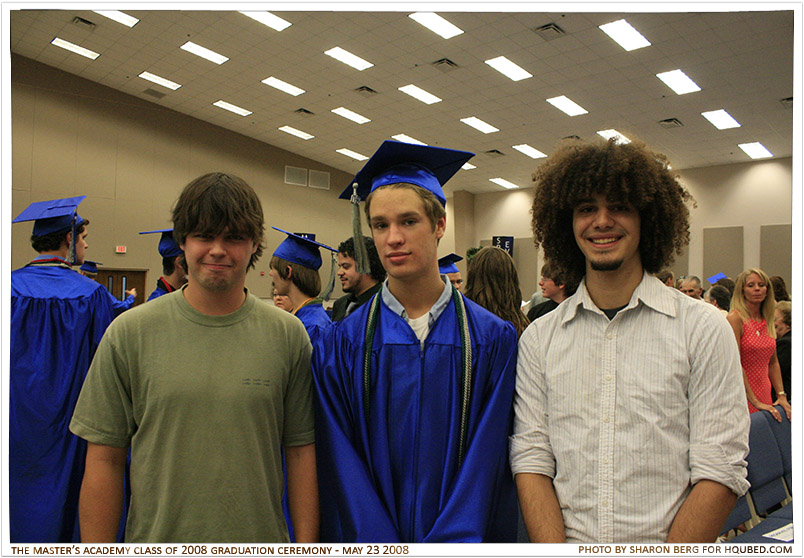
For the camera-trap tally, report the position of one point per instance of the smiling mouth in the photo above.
(604, 241)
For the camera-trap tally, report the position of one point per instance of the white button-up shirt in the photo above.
(626, 415)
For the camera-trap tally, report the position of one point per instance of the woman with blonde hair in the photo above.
(493, 283)
(752, 315)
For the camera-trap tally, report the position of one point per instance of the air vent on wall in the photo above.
(365, 91)
(671, 123)
(154, 93)
(304, 112)
(319, 179)
(296, 176)
(83, 23)
(495, 153)
(549, 31)
(445, 65)
(787, 103)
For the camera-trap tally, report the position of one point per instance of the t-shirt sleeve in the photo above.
(104, 412)
(298, 420)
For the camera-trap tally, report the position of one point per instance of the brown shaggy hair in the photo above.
(493, 283)
(306, 279)
(631, 173)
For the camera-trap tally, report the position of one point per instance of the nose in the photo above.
(395, 236)
(603, 219)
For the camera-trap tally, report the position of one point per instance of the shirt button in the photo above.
(606, 419)
(608, 378)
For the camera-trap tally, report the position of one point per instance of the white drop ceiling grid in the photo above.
(743, 61)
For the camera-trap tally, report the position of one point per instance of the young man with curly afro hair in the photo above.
(629, 424)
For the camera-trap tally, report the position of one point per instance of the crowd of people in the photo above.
(419, 408)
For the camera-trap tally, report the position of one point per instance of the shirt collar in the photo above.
(650, 291)
(435, 311)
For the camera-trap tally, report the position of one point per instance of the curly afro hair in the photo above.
(578, 171)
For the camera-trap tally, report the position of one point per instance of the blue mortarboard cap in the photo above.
(423, 165)
(167, 245)
(447, 263)
(52, 215)
(300, 250)
(715, 278)
(90, 266)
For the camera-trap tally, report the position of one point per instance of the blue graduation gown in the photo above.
(393, 476)
(57, 319)
(315, 319)
(162, 288)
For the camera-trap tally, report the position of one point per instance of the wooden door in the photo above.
(117, 281)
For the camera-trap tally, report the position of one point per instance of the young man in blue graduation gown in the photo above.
(90, 269)
(446, 266)
(173, 265)
(294, 271)
(58, 317)
(415, 387)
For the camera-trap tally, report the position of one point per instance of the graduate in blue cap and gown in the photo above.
(294, 271)
(90, 269)
(415, 387)
(57, 319)
(173, 264)
(446, 266)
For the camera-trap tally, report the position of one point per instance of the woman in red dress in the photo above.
(751, 318)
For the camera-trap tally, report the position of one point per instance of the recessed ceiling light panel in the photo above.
(508, 68)
(203, 52)
(67, 45)
(755, 150)
(119, 17)
(267, 18)
(348, 58)
(625, 35)
(353, 116)
(567, 106)
(298, 133)
(232, 108)
(614, 134)
(531, 152)
(721, 119)
(679, 82)
(283, 86)
(504, 183)
(420, 94)
(160, 80)
(407, 139)
(437, 24)
(353, 154)
(478, 124)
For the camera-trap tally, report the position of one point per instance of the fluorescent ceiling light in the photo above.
(720, 119)
(75, 48)
(269, 19)
(198, 50)
(352, 154)
(504, 183)
(468, 166)
(625, 35)
(508, 68)
(420, 94)
(283, 86)
(297, 133)
(119, 17)
(348, 58)
(436, 24)
(478, 124)
(531, 152)
(679, 82)
(407, 139)
(755, 150)
(568, 106)
(232, 108)
(353, 116)
(160, 80)
(609, 134)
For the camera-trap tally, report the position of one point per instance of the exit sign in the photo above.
(119, 249)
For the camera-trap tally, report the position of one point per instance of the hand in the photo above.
(782, 400)
(132, 291)
(771, 409)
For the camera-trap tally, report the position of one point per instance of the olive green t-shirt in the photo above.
(206, 402)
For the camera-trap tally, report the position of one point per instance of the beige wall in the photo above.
(131, 158)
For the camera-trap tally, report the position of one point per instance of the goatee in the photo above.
(606, 266)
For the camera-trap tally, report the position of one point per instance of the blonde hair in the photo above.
(768, 307)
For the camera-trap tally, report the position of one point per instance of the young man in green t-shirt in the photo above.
(206, 385)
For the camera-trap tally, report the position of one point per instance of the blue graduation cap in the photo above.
(447, 263)
(52, 215)
(89, 266)
(716, 277)
(300, 250)
(168, 248)
(395, 161)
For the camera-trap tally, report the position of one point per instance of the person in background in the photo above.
(630, 424)
(281, 301)
(294, 271)
(751, 318)
(667, 277)
(207, 385)
(493, 283)
(415, 388)
(56, 322)
(90, 269)
(783, 338)
(691, 286)
(446, 266)
(359, 287)
(719, 297)
(779, 288)
(555, 289)
(174, 267)
(728, 283)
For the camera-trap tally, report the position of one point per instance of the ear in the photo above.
(441, 227)
(288, 272)
(69, 238)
